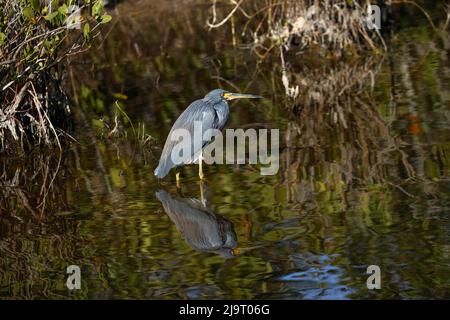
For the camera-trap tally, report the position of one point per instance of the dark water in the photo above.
(372, 189)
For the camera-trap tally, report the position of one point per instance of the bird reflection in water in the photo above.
(202, 229)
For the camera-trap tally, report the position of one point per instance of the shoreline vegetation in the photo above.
(36, 40)
(318, 44)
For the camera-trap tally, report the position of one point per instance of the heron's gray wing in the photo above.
(198, 111)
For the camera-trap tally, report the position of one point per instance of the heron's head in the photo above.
(219, 95)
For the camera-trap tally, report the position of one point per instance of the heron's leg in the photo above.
(202, 195)
(178, 179)
(200, 166)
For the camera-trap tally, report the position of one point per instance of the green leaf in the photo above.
(51, 16)
(2, 38)
(121, 96)
(28, 12)
(86, 30)
(97, 8)
(36, 4)
(105, 18)
(98, 123)
(63, 9)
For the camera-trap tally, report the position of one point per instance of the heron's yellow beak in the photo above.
(232, 96)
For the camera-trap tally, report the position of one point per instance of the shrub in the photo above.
(36, 39)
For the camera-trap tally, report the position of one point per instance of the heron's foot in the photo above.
(241, 250)
(236, 251)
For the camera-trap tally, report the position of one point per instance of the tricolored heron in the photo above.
(212, 111)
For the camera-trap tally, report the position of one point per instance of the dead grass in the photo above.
(297, 25)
